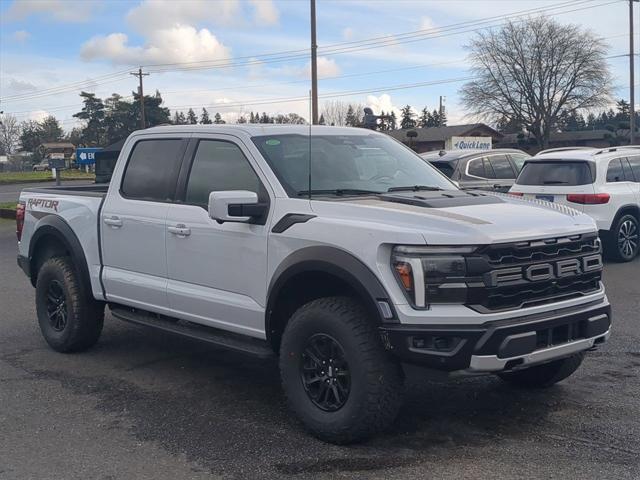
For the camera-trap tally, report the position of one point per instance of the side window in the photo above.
(518, 161)
(502, 167)
(476, 168)
(635, 167)
(219, 165)
(615, 173)
(152, 170)
(489, 173)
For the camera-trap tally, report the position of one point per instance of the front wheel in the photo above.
(546, 375)
(336, 375)
(69, 319)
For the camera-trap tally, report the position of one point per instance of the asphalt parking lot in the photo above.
(146, 405)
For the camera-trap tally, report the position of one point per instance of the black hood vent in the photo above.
(443, 199)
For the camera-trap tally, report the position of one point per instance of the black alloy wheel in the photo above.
(325, 372)
(56, 306)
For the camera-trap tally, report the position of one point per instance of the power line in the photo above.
(331, 49)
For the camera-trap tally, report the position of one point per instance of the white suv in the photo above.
(604, 184)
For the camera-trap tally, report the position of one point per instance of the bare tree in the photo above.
(335, 112)
(9, 134)
(534, 73)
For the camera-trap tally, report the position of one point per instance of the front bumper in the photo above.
(501, 345)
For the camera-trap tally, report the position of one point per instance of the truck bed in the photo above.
(92, 190)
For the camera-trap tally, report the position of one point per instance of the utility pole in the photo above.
(441, 111)
(314, 66)
(139, 74)
(632, 110)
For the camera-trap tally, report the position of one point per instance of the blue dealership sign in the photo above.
(86, 156)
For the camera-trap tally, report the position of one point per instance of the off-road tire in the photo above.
(545, 375)
(377, 379)
(613, 245)
(84, 315)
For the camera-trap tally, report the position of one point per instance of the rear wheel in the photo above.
(69, 319)
(336, 375)
(624, 238)
(545, 375)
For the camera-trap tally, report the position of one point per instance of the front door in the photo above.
(132, 225)
(217, 273)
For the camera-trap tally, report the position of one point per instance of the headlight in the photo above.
(432, 274)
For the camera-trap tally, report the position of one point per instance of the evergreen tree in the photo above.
(252, 119)
(393, 121)
(351, 120)
(242, 119)
(322, 121)
(50, 130)
(93, 113)
(265, 118)
(217, 119)
(192, 119)
(425, 118)
(443, 118)
(407, 118)
(204, 117)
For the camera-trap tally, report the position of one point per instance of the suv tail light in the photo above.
(516, 194)
(588, 198)
(20, 209)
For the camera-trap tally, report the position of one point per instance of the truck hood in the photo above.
(457, 218)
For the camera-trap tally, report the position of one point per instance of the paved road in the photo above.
(10, 193)
(144, 405)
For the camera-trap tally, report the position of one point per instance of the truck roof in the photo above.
(257, 129)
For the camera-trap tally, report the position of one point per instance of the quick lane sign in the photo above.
(468, 143)
(86, 156)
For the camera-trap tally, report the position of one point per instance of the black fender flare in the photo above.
(57, 227)
(336, 262)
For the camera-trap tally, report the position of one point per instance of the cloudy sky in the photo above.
(235, 56)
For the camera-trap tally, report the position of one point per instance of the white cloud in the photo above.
(37, 115)
(426, 23)
(265, 13)
(60, 10)
(384, 104)
(20, 86)
(327, 67)
(181, 43)
(151, 15)
(20, 36)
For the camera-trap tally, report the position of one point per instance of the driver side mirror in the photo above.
(239, 206)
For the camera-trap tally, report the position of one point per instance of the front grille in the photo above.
(526, 274)
(560, 334)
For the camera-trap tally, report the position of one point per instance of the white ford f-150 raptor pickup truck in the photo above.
(337, 249)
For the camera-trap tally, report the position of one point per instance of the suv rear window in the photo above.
(446, 168)
(556, 173)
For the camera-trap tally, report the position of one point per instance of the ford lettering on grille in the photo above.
(541, 272)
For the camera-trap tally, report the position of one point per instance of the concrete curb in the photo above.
(7, 213)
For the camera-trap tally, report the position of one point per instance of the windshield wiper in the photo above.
(554, 182)
(338, 191)
(415, 188)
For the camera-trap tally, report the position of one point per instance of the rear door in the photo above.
(504, 172)
(133, 230)
(634, 165)
(477, 173)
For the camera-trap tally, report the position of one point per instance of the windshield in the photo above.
(346, 164)
(555, 173)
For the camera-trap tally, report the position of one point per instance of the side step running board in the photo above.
(220, 338)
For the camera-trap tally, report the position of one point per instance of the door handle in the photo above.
(181, 230)
(114, 222)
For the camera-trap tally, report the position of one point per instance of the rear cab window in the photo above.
(152, 170)
(447, 168)
(557, 172)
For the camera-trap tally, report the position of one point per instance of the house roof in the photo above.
(58, 145)
(440, 134)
